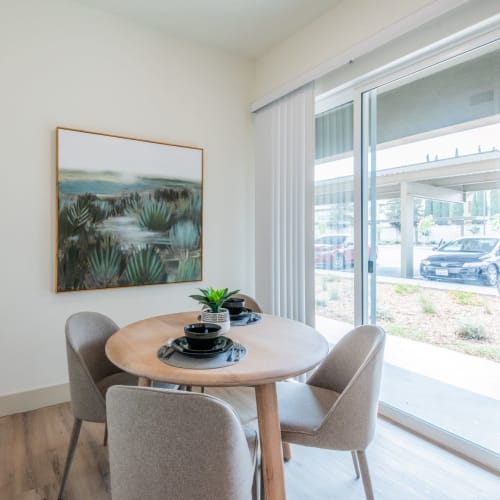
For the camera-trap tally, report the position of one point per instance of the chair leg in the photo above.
(257, 484)
(77, 425)
(105, 441)
(356, 464)
(365, 474)
(287, 451)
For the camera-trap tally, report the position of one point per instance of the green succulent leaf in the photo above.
(144, 266)
(105, 262)
(213, 297)
(189, 270)
(78, 214)
(155, 215)
(185, 235)
(72, 267)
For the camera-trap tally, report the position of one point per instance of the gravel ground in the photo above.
(463, 321)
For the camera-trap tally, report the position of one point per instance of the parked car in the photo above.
(465, 259)
(334, 251)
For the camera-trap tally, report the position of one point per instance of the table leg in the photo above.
(273, 474)
(144, 382)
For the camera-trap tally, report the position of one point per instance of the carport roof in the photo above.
(447, 180)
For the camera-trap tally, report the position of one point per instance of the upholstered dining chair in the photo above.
(179, 445)
(337, 407)
(250, 302)
(90, 374)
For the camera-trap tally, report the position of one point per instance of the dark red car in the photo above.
(334, 251)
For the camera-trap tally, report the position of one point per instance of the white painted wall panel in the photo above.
(65, 64)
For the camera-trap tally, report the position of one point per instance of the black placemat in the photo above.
(180, 360)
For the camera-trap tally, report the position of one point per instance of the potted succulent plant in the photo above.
(212, 310)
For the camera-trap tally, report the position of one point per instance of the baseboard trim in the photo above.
(34, 399)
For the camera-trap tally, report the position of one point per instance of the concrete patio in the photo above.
(453, 391)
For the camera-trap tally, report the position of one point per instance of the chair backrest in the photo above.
(86, 336)
(250, 302)
(353, 369)
(176, 444)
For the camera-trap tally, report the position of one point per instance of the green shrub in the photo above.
(398, 330)
(329, 278)
(427, 305)
(407, 332)
(486, 351)
(321, 303)
(383, 314)
(464, 298)
(403, 289)
(471, 330)
(425, 225)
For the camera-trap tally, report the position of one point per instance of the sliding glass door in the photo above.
(407, 225)
(334, 252)
(432, 169)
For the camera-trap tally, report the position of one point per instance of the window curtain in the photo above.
(284, 217)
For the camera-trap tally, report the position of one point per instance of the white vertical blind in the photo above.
(284, 223)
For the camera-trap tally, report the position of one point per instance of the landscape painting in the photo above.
(129, 212)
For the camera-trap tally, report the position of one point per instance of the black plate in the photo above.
(222, 344)
(243, 314)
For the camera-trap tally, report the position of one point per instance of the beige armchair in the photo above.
(337, 408)
(90, 373)
(178, 445)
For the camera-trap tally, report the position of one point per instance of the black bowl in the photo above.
(234, 305)
(202, 335)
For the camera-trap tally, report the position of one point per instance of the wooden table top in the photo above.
(277, 348)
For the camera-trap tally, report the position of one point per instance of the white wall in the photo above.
(63, 64)
(455, 21)
(348, 23)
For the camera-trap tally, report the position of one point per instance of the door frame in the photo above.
(464, 46)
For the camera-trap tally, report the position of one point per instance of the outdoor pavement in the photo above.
(456, 392)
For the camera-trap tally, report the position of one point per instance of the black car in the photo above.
(465, 259)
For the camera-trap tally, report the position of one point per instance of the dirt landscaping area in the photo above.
(463, 321)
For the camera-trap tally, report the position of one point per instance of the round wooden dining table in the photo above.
(277, 349)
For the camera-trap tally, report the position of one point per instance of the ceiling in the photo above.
(244, 27)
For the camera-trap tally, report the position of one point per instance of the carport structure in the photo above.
(459, 98)
(447, 180)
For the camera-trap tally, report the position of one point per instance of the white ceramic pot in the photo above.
(221, 318)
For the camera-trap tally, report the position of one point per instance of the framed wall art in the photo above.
(129, 211)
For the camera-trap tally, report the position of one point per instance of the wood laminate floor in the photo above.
(403, 467)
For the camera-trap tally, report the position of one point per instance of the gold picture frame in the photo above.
(129, 211)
